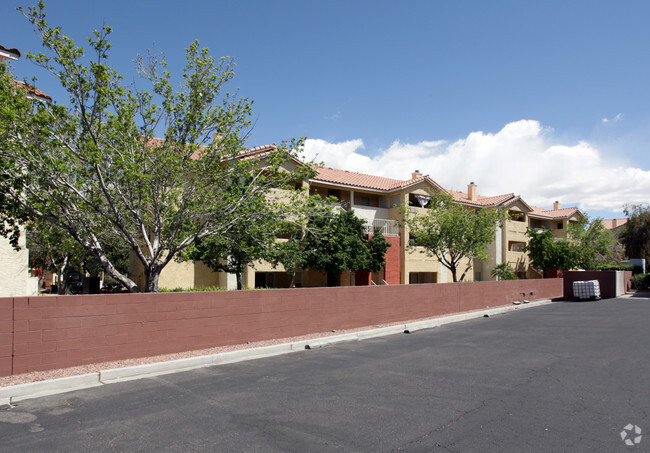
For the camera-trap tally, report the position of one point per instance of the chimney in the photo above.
(556, 206)
(471, 191)
(416, 174)
(614, 223)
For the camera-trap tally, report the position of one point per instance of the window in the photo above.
(515, 246)
(422, 277)
(560, 225)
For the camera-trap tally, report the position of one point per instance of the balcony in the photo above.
(387, 227)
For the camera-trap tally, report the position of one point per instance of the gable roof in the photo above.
(563, 213)
(365, 181)
(613, 224)
(482, 201)
(514, 200)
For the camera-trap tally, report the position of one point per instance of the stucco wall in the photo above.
(15, 279)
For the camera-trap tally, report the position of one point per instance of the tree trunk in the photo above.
(239, 280)
(151, 282)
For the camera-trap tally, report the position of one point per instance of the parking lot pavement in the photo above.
(559, 377)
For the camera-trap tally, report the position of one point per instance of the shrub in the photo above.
(640, 281)
(504, 271)
(615, 267)
(187, 290)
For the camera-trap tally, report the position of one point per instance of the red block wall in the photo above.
(6, 335)
(62, 331)
(606, 282)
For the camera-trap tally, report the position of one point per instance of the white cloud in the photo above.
(523, 157)
(616, 119)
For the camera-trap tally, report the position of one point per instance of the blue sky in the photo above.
(550, 100)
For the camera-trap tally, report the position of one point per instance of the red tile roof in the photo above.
(517, 198)
(33, 91)
(612, 224)
(554, 213)
(496, 200)
(355, 179)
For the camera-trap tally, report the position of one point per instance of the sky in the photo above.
(548, 100)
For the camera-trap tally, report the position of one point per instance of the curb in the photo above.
(12, 394)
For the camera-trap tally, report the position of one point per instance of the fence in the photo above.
(42, 333)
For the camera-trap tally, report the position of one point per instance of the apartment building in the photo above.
(510, 237)
(377, 200)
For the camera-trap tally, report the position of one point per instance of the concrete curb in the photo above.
(9, 395)
(15, 393)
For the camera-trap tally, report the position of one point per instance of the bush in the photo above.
(504, 271)
(615, 267)
(640, 281)
(187, 290)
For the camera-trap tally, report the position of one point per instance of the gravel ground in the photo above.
(95, 367)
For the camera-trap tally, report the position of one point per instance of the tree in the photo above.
(291, 249)
(95, 169)
(291, 253)
(635, 234)
(547, 253)
(250, 238)
(592, 241)
(452, 233)
(52, 249)
(586, 247)
(341, 244)
(504, 271)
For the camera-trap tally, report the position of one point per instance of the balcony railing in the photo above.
(387, 227)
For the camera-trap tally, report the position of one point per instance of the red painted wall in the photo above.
(6, 336)
(606, 282)
(61, 331)
(393, 258)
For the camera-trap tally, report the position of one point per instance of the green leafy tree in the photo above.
(291, 253)
(52, 249)
(504, 271)
(341, 244)
(592, 243)
(452, 233)
(93, 167)
(547, 253)
(250, 238)
(291, 250)
(587, 246)
(635, 234)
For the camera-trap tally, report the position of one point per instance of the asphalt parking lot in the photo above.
(559, 377)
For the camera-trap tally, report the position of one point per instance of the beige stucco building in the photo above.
(377, 200)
